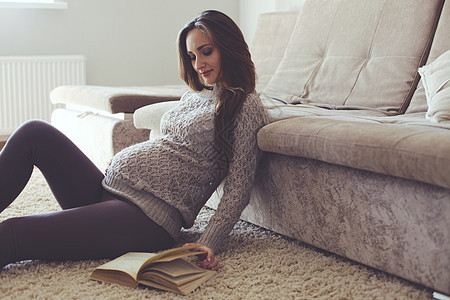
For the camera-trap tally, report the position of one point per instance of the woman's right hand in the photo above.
(210, 262)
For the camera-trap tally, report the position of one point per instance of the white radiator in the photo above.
(25, 84)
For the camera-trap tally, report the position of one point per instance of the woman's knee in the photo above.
(34, 125)
(31, 130)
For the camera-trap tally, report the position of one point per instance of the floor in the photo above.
(2, 144)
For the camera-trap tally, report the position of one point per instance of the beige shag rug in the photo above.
(256, 264)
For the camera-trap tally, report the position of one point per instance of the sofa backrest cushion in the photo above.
(272, 34)
(355, 53)
(441, 43)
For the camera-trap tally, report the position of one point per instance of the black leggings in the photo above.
(92, 225)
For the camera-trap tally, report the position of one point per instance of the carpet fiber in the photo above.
(256, 264)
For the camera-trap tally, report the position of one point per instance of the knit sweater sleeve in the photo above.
(238, 183)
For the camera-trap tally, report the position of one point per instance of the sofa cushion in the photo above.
(402, 146)
(149, 117)
(352, 53)
(279, 110)
(436, 84)
(115, 99)
(441, 43)
(272, 34)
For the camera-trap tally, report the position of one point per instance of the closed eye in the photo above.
(207, 52)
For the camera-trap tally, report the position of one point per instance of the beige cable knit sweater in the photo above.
(171, 178)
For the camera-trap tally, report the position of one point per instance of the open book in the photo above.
(167, 270)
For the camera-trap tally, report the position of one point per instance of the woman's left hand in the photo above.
(210, 262)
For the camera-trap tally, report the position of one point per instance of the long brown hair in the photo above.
(235, 81)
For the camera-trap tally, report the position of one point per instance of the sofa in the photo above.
(357, 154)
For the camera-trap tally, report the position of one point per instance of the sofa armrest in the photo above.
(115, 99)
(149, 117)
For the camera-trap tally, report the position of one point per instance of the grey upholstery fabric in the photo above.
(350, 52)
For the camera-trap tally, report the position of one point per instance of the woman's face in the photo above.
(205, 57)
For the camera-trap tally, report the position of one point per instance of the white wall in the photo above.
(126, 42)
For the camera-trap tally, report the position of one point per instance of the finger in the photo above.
(209, 260)
(196, 249)
(214, 265)
(208, 254)
(209, 264)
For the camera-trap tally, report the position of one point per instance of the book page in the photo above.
(167, 280)
(178, 275)
(183, 285)
(129, 263)
(175, 268)
(113, 276)
(175, 253)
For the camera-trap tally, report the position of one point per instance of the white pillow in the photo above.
(436, 82)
